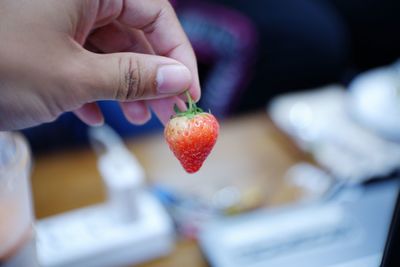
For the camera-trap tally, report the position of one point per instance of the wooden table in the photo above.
(250, 152)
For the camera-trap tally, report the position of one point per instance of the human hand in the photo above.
(58, 56)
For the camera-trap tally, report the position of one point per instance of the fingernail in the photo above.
(135, 109)
(91, 115)
(98, 122)
(172, 79)
(136, 113)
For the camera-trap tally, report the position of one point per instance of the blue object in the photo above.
(69, 131)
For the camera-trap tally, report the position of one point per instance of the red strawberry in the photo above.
(191, 135)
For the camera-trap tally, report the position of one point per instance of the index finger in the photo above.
(158, 21)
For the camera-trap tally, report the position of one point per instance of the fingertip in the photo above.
(90, 114)
(164, 108)
(195, 88)
(136, 112)
(195, 92)
(181, 104)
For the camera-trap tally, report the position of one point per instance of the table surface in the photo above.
(250, 153)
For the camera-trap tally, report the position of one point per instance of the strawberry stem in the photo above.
(192, 108)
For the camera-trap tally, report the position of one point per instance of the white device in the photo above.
(319, 122)
(347, 230)
(131, 227)
(375, 100)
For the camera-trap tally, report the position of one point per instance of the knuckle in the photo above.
(110, 10)
(130, 86)
(163, 10)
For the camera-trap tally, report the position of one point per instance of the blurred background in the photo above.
(308, 96)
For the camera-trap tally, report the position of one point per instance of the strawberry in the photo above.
(191, 135)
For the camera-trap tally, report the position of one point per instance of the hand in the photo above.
(58, 56)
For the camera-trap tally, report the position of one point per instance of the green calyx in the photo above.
(192, 109)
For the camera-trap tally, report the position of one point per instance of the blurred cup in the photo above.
(17, 245)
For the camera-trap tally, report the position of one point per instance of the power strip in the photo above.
(131, 227)
(90, 237)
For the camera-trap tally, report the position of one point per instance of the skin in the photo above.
(58, 56)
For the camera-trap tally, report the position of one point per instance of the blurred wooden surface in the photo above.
(250, 152)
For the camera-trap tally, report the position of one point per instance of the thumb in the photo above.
(133, 76)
